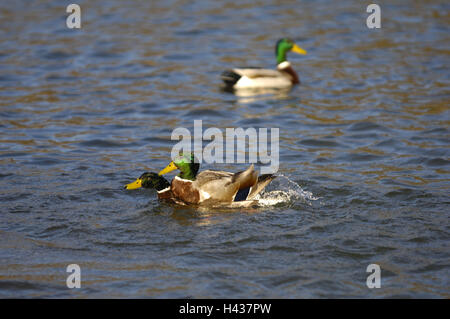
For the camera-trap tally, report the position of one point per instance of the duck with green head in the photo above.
(253, 78)
(205, 188)
(153, 181)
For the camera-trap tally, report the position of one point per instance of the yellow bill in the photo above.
(136, 184)
(298, 50)
(169, 168)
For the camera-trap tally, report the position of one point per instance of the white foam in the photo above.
(284, 191)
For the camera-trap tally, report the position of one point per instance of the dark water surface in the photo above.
(82, 112)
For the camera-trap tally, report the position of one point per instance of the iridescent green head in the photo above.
(186, 163)
(283, 46)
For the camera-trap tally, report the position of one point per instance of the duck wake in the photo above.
(283, 190)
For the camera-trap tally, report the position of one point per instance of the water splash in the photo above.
(284, 190)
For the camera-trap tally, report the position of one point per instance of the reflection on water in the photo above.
(259, 95)
(82, 112)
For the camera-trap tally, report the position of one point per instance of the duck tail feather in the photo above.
(263, 181)
(230, 78)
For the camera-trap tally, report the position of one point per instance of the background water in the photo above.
(82, 112)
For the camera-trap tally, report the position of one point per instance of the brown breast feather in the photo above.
(185, 191)
(165, 195)
(289, 70)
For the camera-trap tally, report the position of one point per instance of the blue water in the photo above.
(364, 143)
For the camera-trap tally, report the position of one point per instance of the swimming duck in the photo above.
(215, 188)
(255, 78)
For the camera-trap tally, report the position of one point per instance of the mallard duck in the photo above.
(160, 184)
(254, 78)
(205, 188)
